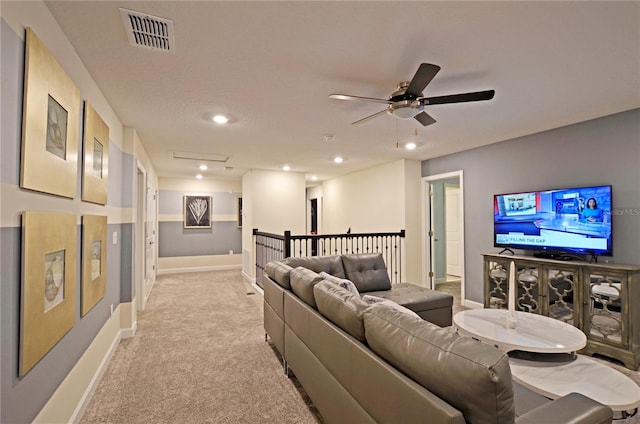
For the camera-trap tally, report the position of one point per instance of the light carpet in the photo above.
(199, 356)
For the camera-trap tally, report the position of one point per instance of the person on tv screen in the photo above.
(592, 213)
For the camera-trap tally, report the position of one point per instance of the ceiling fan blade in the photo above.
(423, 76)
(366, 118)
(459, 98)
(424, 118)
(364, 99)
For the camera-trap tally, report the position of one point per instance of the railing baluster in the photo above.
(270, 247)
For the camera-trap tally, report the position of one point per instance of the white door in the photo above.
(453, 229)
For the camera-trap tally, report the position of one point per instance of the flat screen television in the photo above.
(569, 220)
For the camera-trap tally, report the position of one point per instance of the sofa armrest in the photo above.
(573, 408)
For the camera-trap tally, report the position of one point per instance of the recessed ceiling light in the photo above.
(338, 159)
(199, 176)
(203, 167)
(410, 146)
(286, 168)
(314, 178)
(220, 119)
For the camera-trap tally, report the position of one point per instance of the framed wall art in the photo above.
(48, 289)
(239, 210)
(197, 211)
(94, 261)
(51, 118)
(95, 164)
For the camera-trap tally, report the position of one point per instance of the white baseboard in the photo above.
(128, 333)
(249, 279)
(69, 402)
(95, 380)
(198, 269)
(471, 304)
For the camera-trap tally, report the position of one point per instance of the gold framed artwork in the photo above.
(48, 290)
(197, 211)
(94, 261)
(50, 123)
(95, 164)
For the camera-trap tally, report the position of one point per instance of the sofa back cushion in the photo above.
(329, 264)
(367, 271)
(342, 282)
(473, 377)
(302, 282)
(341, 307)
(279, 272)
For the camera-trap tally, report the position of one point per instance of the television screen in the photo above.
(572, 220)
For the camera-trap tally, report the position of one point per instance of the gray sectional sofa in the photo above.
(374, 363)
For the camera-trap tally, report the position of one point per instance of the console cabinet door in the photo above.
(607, 294)
(561, 295)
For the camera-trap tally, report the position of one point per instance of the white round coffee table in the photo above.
(533, 332)
(583, 375)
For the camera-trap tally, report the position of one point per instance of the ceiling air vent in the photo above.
(148, 31)
(199, 156)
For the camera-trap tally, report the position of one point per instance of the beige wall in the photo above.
(371, 200)
(276, 202)
(384, 198)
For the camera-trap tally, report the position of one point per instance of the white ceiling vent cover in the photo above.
(148, 31)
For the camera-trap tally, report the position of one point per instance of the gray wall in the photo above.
(174, 240)
(597, 152)
(23, 398)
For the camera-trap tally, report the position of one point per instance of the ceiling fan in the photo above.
(408, 102)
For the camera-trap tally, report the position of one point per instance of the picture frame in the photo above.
(50, 123)
(94, 261)
(239, 212)
(95, 169)
(48, 286)
(197, 211)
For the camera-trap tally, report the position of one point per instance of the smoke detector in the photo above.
(148, 31)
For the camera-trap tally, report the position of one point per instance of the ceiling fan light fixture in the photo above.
(405, 109)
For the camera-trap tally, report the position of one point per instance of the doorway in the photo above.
(443, 233)
(145, 236)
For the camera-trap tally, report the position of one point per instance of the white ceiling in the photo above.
(272, 65)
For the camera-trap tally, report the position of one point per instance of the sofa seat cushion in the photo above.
(341, 307)
(279, 272)
(329, 264)
(472, 376)
(416, 298)
(367, 271)
(302, 282)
